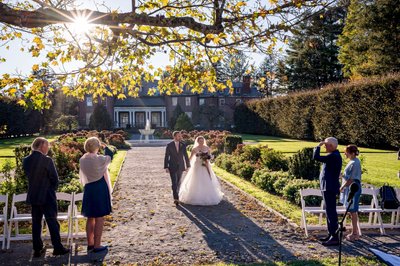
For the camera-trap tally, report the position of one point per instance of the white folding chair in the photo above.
(319, 210)
(64, 216)
(76, 215)
(15, 218)
(3, 219)
(374, 211)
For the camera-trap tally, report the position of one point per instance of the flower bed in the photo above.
(271, 171)
(66, 151)
(215, 138)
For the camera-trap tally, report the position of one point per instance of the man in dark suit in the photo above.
(42, 185)
(329, 184)
(176, 161)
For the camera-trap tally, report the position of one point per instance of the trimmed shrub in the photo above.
(21, 180)
(274, 160)
(292, 189)
(243, 169)
(176, 113)
(250, 153)
(353, 112)
(231, 143)
(225, 161)
(280, 184)
(118, 141)
(301, 165)
(183, 123)
(265, 179)
(100, 119)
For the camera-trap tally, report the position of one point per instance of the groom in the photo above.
(176, 161)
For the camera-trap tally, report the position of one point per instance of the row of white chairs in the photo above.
(72, 216)
(373, 209)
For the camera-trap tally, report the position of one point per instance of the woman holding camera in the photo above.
(352, 174)
(96, 202)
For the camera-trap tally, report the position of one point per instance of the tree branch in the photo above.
(47, 16)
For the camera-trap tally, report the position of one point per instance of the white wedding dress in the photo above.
(200, 186)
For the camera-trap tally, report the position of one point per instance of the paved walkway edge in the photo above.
(259, 202)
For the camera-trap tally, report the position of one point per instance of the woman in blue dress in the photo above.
(96, 202)
(352, 174)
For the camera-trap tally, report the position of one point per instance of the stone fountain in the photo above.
(146, 132)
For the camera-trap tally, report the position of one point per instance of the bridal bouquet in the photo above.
(204, 156)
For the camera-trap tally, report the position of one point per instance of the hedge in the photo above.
(365, 112)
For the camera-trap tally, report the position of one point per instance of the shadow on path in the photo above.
(234, 236)
(21, 254)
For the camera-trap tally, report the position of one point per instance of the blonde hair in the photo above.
(92, 144)
(38, 142)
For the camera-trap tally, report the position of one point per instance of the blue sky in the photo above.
(21, 62)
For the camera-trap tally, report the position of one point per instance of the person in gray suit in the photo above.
(176, 161)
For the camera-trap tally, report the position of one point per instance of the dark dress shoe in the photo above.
(62, 251)
(100, 249)
(89, 248)
(324, 239)
(39, 253)
(333, 241)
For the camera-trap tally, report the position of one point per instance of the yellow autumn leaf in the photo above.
(12, 91)
(35, 67)
(214, 59)
(22, 102)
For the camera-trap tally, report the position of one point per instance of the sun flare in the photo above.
(81, 25)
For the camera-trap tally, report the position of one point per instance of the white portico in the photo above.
(137, 116)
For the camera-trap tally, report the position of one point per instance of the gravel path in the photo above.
(147, 228)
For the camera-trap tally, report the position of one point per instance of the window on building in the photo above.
(187, 100)
(89, 101)
(237, 90)
(174, 101)
(189, 114)
(221, 102)
(202, 101)
(156, 119)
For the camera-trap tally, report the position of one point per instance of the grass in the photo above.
(7, 147)
(289, 210)
(382, 165)
(116, 165)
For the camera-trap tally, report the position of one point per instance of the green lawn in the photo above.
(116, 165)
(289, 210)
(7, 146)
(382, 165)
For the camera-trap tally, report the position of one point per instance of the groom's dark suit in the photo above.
(176, 161)
(42, 186)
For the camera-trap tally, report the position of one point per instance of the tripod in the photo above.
(341, 229)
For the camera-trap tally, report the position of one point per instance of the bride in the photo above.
(200, 185)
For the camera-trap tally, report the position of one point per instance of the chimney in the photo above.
(246, 84)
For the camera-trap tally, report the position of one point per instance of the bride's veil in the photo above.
(195, 145)
(196, 142)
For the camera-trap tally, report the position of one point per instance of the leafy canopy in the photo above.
(102, 52)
